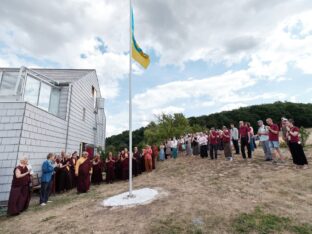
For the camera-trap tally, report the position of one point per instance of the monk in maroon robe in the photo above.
(65, 174)
(136, 162)
(110, 168)
(154, 156)
(73, 161)
(125, 164)
(83, 170)
(97, 177)
(20, 191)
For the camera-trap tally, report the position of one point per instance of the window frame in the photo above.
(36, 77)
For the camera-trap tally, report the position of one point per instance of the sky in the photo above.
(206, 55)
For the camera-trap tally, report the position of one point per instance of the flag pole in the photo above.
(130, 99)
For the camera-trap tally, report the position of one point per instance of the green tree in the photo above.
(168, 126)
(304, 135)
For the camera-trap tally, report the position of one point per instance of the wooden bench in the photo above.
(35, 183)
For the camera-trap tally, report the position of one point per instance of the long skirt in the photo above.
(83, 183)
(110, 174)
(148, 165)
(188, 150)
(125, 173)
(162, 155)
(118, 170)
(63, 180)
(73, 178)
(97, 175)
(142, 163)
(196, 149)
(203, 151)
(168, 151)
(135, 170)
(154, 161)
(18, 200)
(297, 154)
(227, 149)
(174, 152)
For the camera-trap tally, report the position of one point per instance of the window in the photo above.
(42, 94)
(32, 90)
(54, 101)
(44, 97)
(94, 96)
(83, 114)
(8, 82)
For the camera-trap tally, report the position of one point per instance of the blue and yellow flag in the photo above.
(137, 53)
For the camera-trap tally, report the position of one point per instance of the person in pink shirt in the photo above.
(148, 158)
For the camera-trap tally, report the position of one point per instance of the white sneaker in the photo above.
(50, 201)
(43, 204)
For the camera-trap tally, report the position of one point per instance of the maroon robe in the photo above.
(65, 176)
(20, 193)
(97, 172)
(154, 156)
(125, 167)
(83, 179)
(110, 171)
(72, 172)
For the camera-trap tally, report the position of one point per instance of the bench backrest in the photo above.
(35, 180)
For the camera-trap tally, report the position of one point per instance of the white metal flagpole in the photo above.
(130, 101)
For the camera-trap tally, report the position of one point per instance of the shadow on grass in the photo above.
(262, 223)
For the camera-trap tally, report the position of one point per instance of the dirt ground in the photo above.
(200, 193)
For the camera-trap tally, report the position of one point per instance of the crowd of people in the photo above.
(239, 140)
(61, 173)
(64, 172)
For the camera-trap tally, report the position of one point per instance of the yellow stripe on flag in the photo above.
(140, 57)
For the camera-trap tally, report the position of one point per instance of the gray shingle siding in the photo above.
(27, 130)
(11, 118)
(79, 130)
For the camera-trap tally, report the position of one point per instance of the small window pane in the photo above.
(8, 82)
(44, 98)
(31, 90)
(54, 101)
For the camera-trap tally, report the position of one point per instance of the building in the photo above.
(47, 110)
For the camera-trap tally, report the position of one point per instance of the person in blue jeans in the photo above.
(46, 178)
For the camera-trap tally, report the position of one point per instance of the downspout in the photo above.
(68, 117)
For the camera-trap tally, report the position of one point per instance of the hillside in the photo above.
(198, 196)
(301, 113)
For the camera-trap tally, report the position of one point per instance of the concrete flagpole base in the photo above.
(139, 197)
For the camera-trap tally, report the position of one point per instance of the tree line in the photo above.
(167, 126)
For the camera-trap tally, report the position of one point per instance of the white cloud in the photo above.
(212, 31)
(214, 87)
(62, 31)
(232, 106)
(168, 110)
(271, 36)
